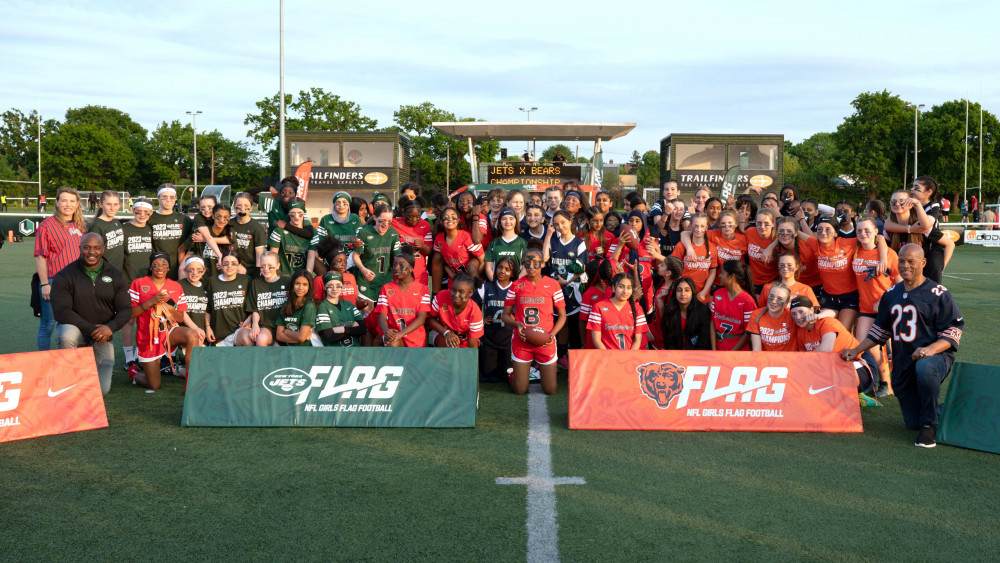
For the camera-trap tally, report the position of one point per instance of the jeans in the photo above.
(45, 325)
(69, 336)
(918, 390)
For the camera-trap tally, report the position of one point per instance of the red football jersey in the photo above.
(143, 290)
(645, 262)
(592, 296)
(467, 324)
(535, 303)
(458, 252)
(401, 307)
(595, 249)
(731, 316)
(616, 326)
(349, 293)
(410, 235)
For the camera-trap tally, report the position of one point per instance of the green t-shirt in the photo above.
(277, 213)
(344, 313)
(168, 233)
(247, 238)
(344, 232)
(292, 250)
(227, 304)
(376, 253)
(267, 299)
(196, 297)
(306, 316)
(499, 248)
(138, 247)
(114, 241)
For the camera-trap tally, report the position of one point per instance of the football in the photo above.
(633, 241)
(536, 336)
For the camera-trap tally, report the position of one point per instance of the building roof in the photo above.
(533, 130)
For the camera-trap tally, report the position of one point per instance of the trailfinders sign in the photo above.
(690, 180)
(293, 386)
(326, 177)
(528, 173)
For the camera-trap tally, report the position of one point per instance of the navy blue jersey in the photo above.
(566, 260)
(916, 318)
(490, 299)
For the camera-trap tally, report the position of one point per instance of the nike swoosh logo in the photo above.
(814, 391)
(61, 391)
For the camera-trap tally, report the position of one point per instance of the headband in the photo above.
(332, 276)
(142, 204)
(194, 259)
(166, 190)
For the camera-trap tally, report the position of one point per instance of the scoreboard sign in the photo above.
(528, 173)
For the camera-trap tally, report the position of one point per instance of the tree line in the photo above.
(97, 148)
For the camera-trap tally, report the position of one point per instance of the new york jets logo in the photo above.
(286, 382)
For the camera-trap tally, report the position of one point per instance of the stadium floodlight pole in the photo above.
(980, 139)
(916, 114)
(194, 126)
(965, 167)
(281, 89)
(40, 151)
(531, 146)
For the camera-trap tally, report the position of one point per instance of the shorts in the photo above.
(229, 340)
(371, 323)
(521, 351)
(840, 302)
(149, 351)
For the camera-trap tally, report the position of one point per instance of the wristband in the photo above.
(42, 284)
(445, 333)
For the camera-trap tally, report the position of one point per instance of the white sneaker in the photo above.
(534, 374)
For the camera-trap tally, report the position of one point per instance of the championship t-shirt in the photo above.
(114, 241)
(699, 268)
(138, 247)
(734, 249)
(617, 327)
(809, 340)
(871, 286)
(343, 313)
(797, 288)
(266, 299)
(761, 271)
(247, 238)
(168, 232)
(834, 265)
(227, 304)
(196, 297)
(776, 334)
(467, 324)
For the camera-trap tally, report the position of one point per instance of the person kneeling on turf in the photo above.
(455, 321)
(160, 306)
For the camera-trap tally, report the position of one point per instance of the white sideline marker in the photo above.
(956, 277)
(543, 530)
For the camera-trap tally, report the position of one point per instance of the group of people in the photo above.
(521, 276)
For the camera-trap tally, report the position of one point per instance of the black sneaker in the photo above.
(926, 437)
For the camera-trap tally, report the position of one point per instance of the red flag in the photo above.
(302, 173)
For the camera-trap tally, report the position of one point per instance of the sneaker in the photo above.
(534, 374)
(868, 401)
(133, 370)
(926, 437)
(882, 389)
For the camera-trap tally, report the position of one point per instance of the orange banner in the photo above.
(302, 173)
(45, 393)
(674, 390)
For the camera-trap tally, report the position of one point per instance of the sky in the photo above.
(670, 67)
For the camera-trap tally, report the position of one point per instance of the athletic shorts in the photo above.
(840, 302)
(371, 323)
(229, 340)
(149, 351)
(521, 351)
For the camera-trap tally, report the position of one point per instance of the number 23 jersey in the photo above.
(917, 318)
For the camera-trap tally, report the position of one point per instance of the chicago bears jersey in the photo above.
(917, 318)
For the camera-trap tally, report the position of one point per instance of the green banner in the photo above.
(293, 386)
(971, 414)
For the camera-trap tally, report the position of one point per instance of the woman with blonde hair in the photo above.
(57, 244)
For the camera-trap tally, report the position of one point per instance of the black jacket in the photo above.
(697, 330)
(78, 301)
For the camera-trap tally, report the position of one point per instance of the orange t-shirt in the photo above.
(762, 272)
(871, 286)
(776, 334)
(809, 340)
(798, 288)
(808, 273)
(834, 265)
(699, 268)
(734, 249)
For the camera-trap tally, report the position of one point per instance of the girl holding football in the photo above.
(615, 324)
(534, 304)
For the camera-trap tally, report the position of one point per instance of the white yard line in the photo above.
(543, 529)
(956, 277)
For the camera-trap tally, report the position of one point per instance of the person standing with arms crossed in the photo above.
(923, 322)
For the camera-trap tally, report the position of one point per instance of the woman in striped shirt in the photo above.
(57, 244)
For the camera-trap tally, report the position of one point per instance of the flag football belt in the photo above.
(721, 336)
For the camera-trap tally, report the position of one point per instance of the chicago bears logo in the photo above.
(660, 382)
